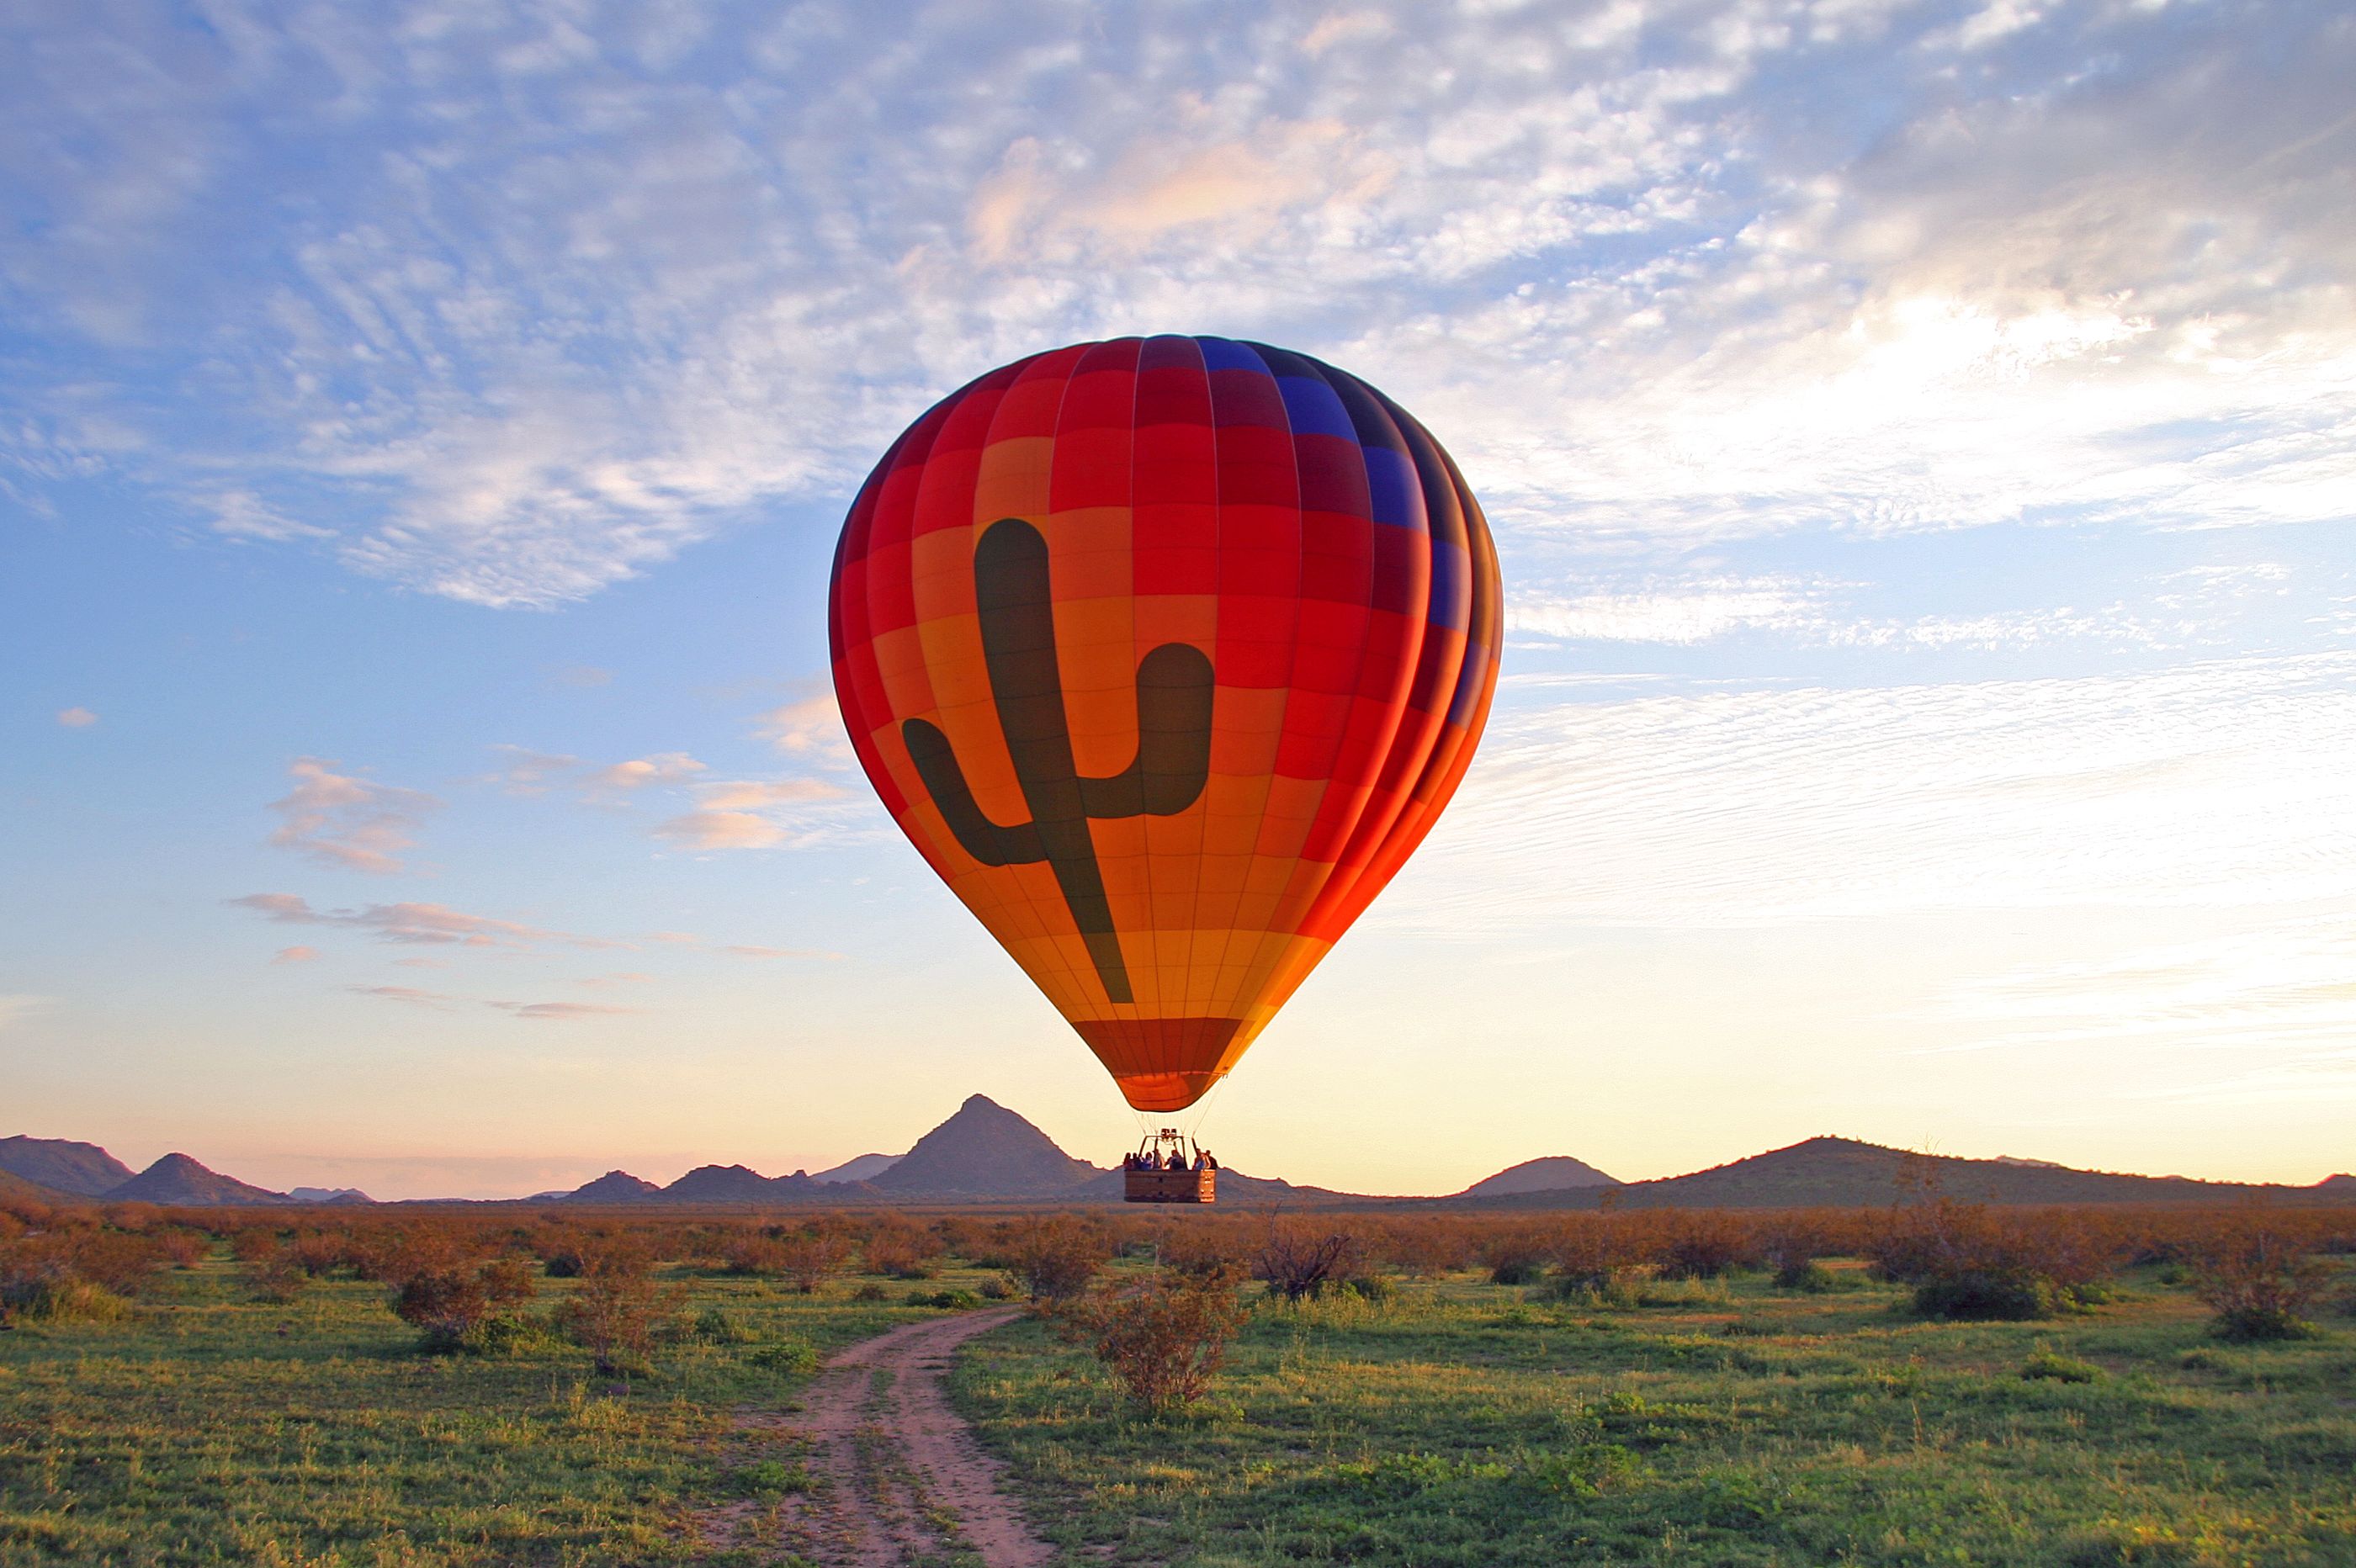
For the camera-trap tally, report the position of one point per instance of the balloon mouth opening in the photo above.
(1163, 1064)
(1166, 1091)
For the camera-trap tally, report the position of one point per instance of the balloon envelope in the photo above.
(1165, 653)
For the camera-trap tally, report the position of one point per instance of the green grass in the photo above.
(1721, 1423)
(208, 1428)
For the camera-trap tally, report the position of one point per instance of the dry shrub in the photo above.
(1205, 1244)
(1516, 1256)
(1968, 1261)
(1163, 1338)
(1054, 1259)
(453, 1297)
(182, 1247)
(1703, 1244)
(2256, 1271)
(750, 1251)
(902, 1249)
(1426, 1248)
(1299, 1258)
(1790, 1244)
(808, 1258)
(1596, 1255)
(616, 1310)
(276, 1276)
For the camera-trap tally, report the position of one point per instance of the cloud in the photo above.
(1691, 612)
(810, 726)
(296, 955)
(535, 773)
(409, 994)
(1706, 608)
(557, 1012)
(762, 814)
(721, 830)
(76, 717)
(242, 514)
(2284, 985)
(665, 767)
(535, 307)
(424, 923)
(561, 1012)
(18, 1006)
(2220, 785)
(345, 821)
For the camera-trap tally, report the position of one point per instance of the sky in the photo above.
(1921, 439)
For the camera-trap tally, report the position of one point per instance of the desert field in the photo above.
(1657, 1387)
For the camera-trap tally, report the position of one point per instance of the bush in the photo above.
(2045, 1362)
(902, 1250)
(1297, 1259)
(808, 1257)
(80, 1275)
(450, 1299)
(2254, 1272)
(617, 1311)
(275, 1277)
(1966, 1261)
(794, 1358)
(1704, 1245)
(1595, 1255)
(947, 1300)
(1053, 1260)
(1162, 1339)
(1516, 1258)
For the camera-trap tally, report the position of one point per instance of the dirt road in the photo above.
(895, 1478)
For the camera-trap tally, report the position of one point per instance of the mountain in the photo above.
(984, 1151)
(718, 1184)
(862, 1168)
(82, 1170)
(614, 1186)
(15, 1188)
(1842, 1173)
(1555, 1173)
(2343, 1183)
(328, 1195)
(176, 1178)
(739, 1184)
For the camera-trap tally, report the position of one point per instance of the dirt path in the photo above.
(895, 1478)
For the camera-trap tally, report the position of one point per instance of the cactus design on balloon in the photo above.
(1017, 613)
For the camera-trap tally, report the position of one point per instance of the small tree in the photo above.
(450, 1297)
(1055, 1259)
(808, 1257)
(1163, 1339)
(616, 1310)
(1298, 1259)
(2258, 1275)
(902, 1249)
(276, 1275)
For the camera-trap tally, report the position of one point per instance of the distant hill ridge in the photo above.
(1843, 1173)
(1555, 1173)
(178, 1179)
(81, 1170)
(986, 1153)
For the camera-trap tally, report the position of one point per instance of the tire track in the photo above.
(897, 1480)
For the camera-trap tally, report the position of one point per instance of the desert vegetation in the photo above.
(493, 1384)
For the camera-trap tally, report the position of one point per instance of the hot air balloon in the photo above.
(1165, 654)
